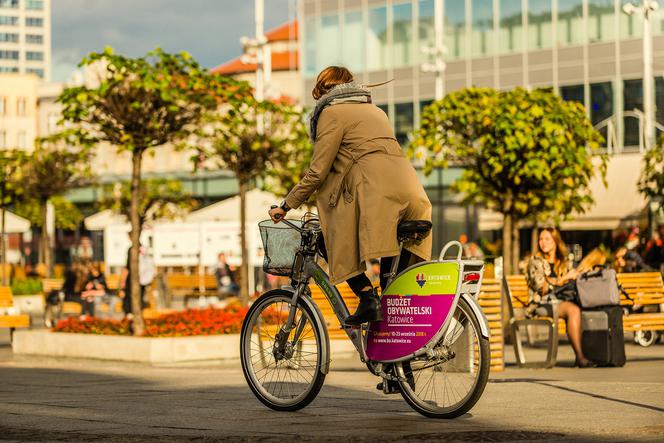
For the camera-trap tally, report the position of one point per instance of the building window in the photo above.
(34, 4)
(328, 42)
(570, 22)
(22, 140)
(573, 93)
(601, 104)
(38, 71)
(8, 55)
(34, 55)
(21, 106)
(659, 102)
(8, 68)
(9, 4)
(511, 26)
(310, 39)
(353, 41)
(3, 139)
(402, 54)
(426, 34)
(377, 39)
(403, 121)
(3, 105)
(8, 37)
(633, 99)
(8, 20)
(601, 23)
(34, 39)
(482, 11)
(540, 29)
(455, 29)
(34, 22)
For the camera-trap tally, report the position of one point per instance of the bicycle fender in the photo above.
(325, 354)
(477, 310)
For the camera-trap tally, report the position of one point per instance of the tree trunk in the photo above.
(516, 246)
(136, 302)
(507, 244)
(534, 238)
(45, 240)
(3, 251)
(244, 267)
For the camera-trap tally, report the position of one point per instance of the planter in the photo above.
(141, 349)
(29, 304)
(130, 349)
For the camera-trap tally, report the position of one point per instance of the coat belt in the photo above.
(342, 186)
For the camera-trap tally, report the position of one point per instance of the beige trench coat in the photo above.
(365, 187)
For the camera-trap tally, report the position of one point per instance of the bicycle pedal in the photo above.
(392, 388)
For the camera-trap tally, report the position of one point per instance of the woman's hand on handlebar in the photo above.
(277, 214)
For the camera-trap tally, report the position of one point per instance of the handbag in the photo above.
(566, 292)
(598, 288)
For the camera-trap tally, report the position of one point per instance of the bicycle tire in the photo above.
(425, 407)
(249, 327)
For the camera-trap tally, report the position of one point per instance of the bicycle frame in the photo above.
(308, 268)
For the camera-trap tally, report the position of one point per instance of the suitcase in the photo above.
(602, 339)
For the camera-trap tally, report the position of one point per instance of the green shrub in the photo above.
(27, 286)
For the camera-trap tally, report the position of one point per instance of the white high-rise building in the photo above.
(25, 37)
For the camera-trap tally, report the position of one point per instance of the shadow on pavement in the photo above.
(56, 404)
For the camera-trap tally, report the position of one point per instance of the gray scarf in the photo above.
(342, 93)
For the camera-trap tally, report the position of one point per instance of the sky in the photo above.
(210, 30)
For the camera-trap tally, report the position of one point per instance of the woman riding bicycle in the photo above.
(365, 186)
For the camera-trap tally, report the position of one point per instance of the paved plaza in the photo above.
(84, 400)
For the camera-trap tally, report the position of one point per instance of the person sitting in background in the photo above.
(549, 269)
(226, 284)
(95, 287)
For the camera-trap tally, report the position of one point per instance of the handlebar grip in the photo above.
(278, 217)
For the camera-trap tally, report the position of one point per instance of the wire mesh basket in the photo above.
(280, 243)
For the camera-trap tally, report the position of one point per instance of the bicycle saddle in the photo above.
(413, 229)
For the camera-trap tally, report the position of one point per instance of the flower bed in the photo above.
(192, 322)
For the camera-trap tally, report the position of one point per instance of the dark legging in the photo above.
(361, 282)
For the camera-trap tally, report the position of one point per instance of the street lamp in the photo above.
(646, 9)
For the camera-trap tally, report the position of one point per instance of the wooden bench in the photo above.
(516, 296)
(646, 289)
(11, 321)
(68, 307)
(334, 328)
(189, 285)
(490, 300)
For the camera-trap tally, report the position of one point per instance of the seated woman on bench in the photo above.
(548, 269)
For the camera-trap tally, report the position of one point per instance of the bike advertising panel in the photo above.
(415, 307)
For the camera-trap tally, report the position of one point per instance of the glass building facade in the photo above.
(586, 50)
(589, 51)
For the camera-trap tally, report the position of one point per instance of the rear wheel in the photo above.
(449, 384)
(645, 338)
(283, 370)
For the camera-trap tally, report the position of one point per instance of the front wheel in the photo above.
(284, 369)
(449, 382)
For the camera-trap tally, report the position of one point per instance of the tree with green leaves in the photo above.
(51, 170)
(160, 199)
(11, 194)
(651, 182)
(253, 139)
(525, 154)
(67, 215)
(141, 104)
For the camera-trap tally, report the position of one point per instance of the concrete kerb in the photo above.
(161, 350)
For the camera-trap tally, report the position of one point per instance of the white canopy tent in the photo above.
(258, 204)
(15, 224)
(616, 206)
(103, 219)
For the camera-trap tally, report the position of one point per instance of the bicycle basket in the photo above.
(280, 243)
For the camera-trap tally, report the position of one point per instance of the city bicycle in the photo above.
(432, 345)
